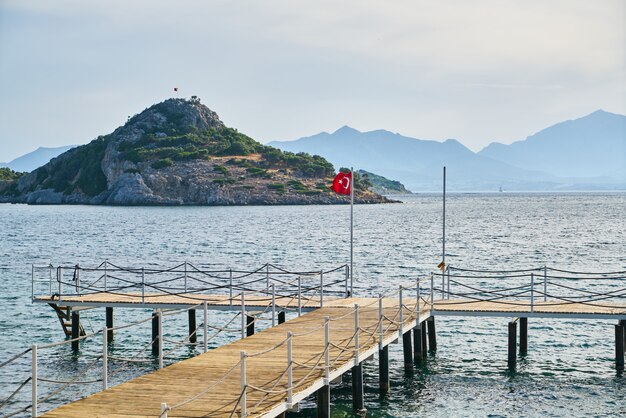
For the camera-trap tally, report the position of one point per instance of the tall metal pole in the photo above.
(351, 231)
(444, 219)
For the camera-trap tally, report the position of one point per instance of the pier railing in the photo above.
(188, 280)
(544, 286)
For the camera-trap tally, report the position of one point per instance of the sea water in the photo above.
(569, 369)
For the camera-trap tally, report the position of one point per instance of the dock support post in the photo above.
(432, 335)
(418, 349)
(357, 388)
(249, 325)
(33, 380)
(75, 330)
(281, 317)
(523, 336)
(105, 359)
(407, 350)
(619, 347)
(109, 323)
(424, 341)
(323, 402)
(383, 369)
(155, 333)
(512, 360)
(193, 329)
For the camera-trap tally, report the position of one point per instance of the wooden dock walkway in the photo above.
(212, 381)
(210, 385)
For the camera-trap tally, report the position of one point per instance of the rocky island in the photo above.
(179, 152)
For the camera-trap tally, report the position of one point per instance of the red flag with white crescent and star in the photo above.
(342, 183)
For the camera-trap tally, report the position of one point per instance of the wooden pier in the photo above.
(266, 373)
(211, 383)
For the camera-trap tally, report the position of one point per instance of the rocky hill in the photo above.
(383, 185)
(179, 152)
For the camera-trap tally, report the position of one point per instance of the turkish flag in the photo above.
(342, 183)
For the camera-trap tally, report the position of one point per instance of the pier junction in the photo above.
(268, 370)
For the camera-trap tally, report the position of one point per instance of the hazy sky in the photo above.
(478, 71)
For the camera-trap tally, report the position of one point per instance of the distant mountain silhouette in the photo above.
(414, 162)
(588, 147)
(32, 160)
(418, 163)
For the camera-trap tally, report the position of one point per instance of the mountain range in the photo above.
(588, 153)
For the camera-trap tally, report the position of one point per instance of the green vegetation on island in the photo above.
(8, 174)
(383, 185)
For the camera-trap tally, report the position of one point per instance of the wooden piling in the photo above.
(619, 347)
(323, 402)
(281, 317)
(432, 335)
(249, 325)
(193, 334)
(383, 369)
(357, 388)
(418, 348)
(523, 336)
(407, 349)
(512, 360)
(109, 323)
(155, 333)
(424, 340)
(75, 330)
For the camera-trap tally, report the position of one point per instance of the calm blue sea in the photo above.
(569, 370)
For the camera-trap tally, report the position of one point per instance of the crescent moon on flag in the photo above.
(345, 184)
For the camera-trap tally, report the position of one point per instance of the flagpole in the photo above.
(444, 219)
(351, 230)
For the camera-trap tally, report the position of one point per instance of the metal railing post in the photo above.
(34, 381)
(347, 279)
(380, 322)
(160, 337)
(106, 276)
(243, 315)
(432, 292)
(60, 278)
(545, 283)
(351, 284)
(327, 349)
(448, 273)
(50, 274)
(143, 285)
(419, 305)
(299, 296)
(244, 384)
(230, 286)
(77, 279)
(289, 370)
(356, 335)
(206, 326)
(105, 359)
(164, 409)
(185, 277)
(443, 285)
(273, 304)
(401, 314)
(532, 292)
(321, 288)
(267, 278)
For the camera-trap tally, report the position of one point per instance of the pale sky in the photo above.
(478, 71)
